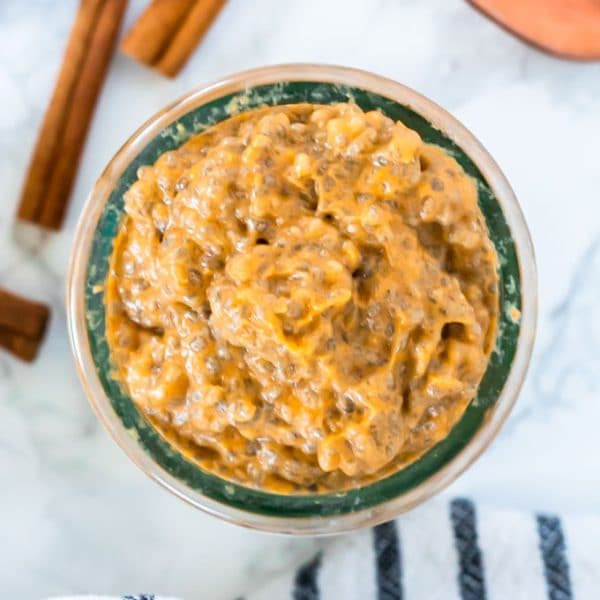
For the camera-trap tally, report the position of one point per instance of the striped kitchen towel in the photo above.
(442, 551)
(451, 552)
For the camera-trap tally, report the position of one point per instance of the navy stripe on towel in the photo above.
(471, 579)
(388, 561)
(553, 549)
(139, 597)
(306, 586)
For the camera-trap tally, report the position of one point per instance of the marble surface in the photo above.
(75, 514)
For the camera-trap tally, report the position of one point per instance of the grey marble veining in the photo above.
(75, 514)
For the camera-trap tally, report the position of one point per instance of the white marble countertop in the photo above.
(75, 514)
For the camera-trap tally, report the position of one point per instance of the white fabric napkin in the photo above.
(447, 551)
(126, 597)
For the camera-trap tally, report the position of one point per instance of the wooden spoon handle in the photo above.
(567, 28)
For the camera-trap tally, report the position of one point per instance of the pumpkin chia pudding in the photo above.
(303, 298)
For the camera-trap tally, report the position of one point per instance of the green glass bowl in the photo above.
(308, 513)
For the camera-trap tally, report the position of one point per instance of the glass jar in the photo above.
(324, 513)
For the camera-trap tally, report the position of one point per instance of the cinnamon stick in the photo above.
(60, 142)
(19, 345)
(168, 31)
(150, 35)
(189, 36)
(22, 325)
(22, 315)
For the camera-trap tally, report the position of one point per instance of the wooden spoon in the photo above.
(567, 28)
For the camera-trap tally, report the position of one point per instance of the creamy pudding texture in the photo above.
(303, 298)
